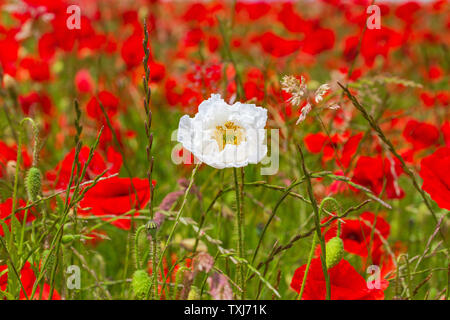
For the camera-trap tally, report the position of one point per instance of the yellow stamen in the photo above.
(229, 133)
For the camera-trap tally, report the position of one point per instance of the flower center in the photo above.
(229, 133)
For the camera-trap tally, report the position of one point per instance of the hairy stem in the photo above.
(317, 224)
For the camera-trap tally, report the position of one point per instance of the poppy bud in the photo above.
(141, 284)
(67, 238)
(33, 183)
(152, 228)
(335, 251)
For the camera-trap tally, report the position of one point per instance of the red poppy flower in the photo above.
(254, 85)
(427, 99)
(172, 95)
(337, 186)
(346, 283)
(379, 42)
(213, 43)
(318, 142)
(47, 45)
(292, 21)
(350, 48)
(375, 42)
(28, 278)
(130, 17)
(132, 51)
(372, 172)
(254, 10)
(253, 90)
(8, 153)
(88, 37)
(277, 46)
(49, 5)
(60, 176)
(6, 209)
(318, 40)
(9, 54)
(196, 12)
(109, 101)
(350, 148)
(420, 134)
(435, 172)
(356, 234)
(407, 11)
(158, 71)
(443, 97)
(116, 196)
(35, 100)
(83, 81)
(435, 73)
(446, 132)
(38, 69)
(193, 37)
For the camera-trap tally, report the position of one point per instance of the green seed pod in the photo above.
(141, 284)
(67, 238)
(33, 182)
(194, 294)
(335, 251)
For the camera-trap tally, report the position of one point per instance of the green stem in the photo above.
(308, 264)
(240, 231)
(172, 231)
(22, 232)
(14, 268)
(317, 224)
(154, 266)
(372, 122)
(311, 253)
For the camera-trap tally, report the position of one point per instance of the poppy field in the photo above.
(224, 150)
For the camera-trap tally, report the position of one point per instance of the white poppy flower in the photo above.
(223, 135)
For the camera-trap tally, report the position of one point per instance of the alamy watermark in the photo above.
(374, 20)
(74, 20)
(270, 162)
(373, 281)
(74, 279)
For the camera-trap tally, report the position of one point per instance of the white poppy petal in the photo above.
(223, 135)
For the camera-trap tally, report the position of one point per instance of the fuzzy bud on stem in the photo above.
(335, 251)
(33, 183)
(140, 283)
